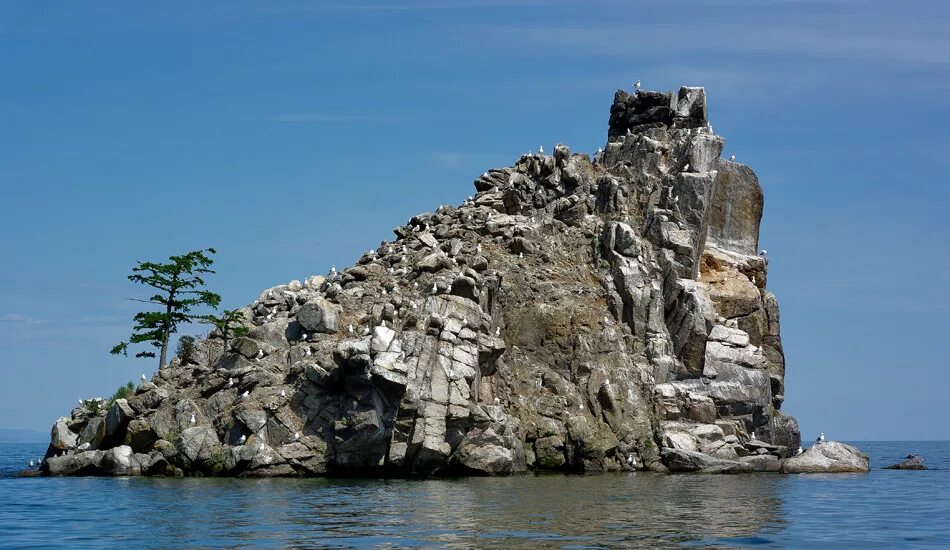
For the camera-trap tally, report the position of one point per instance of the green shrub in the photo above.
(186, 349)
(124, 392)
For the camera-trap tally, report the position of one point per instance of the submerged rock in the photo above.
(910, 462)
(575, 314)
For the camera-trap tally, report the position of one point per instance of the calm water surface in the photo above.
(883, 509)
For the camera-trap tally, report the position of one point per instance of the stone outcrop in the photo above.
(576, 314)
(827, 458)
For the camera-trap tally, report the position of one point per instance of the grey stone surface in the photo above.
(319, 316)
(910, 462)
(827, 457)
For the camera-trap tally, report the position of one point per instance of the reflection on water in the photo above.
(882, 509)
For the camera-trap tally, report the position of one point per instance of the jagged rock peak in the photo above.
(576, 313)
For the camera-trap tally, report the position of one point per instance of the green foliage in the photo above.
(186, 349)
(215, 463)
(180, 287)
(124, 392)
(230, 324)
(92, 406)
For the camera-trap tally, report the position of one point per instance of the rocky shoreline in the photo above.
(577, 314)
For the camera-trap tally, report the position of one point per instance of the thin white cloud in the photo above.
(450, 160)
(331, 118)
(20, 319)
(794, 38)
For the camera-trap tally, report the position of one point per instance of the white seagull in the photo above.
(260, 353)
(821, 438)
(799, 451)
(732, 158)
(143, 378)
(763, 252)
(283, 393)
(192, 418)
(636, 85)
(242, 439)
(245, 394)
(541, 149)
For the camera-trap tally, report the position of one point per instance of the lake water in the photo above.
(882, 509)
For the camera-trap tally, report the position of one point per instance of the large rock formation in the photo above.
(575, 314)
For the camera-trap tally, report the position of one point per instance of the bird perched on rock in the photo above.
(435, 288)
(763, 253)
(631, 460)
(821, 438)
(242, 439)
(31, 464)
(144, 380)
(309, 352)
(799, 451)
(245, 394)
(193, 419)
(260, 353)
(303, 336)
(636, 85)
(349, 329)
(686, 168)
(732, 158)
(497, 401)
(283, 393)
(541, 149)
(83, 447)
(498, 331)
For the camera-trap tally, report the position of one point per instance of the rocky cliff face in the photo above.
(575, 314)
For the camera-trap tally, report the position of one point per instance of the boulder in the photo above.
(319, 315)
(75, 464)
(910, 462)
(61, 437)
(828, 457)
(118, 417)
(682, 460)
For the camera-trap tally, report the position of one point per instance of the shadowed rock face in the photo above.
(576, 314)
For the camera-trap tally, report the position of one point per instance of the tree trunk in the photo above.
(167, 330)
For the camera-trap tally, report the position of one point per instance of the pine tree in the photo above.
(181, 288)
(230, 324)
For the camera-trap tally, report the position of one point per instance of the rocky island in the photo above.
(576, 314)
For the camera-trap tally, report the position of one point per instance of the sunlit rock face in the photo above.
(576, 313)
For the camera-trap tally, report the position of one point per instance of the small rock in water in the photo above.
(910, 462)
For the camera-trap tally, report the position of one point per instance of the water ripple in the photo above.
(883, 509)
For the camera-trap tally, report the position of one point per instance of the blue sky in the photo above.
(293, 135)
